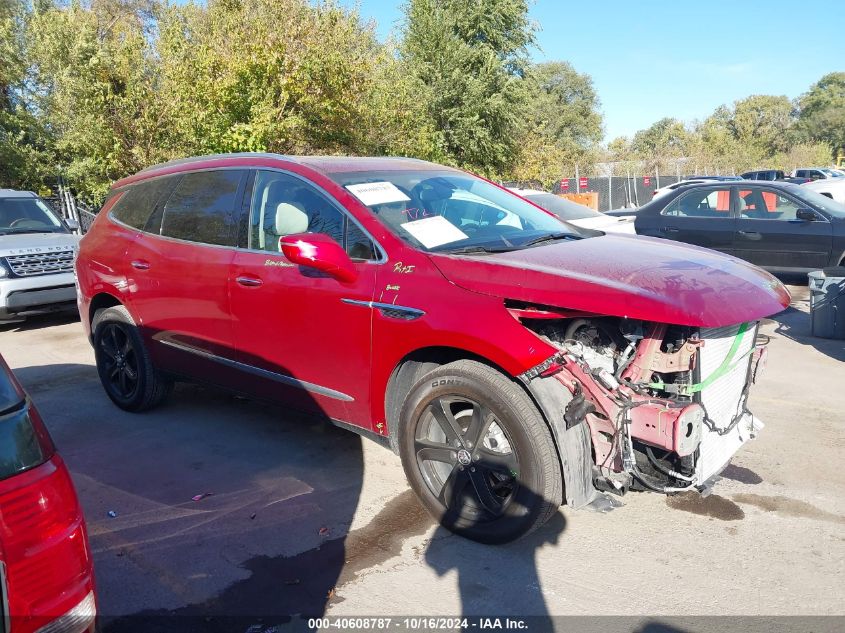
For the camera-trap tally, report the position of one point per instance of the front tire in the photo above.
(126, 372)
(478, 453)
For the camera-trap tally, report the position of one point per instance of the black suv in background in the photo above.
(764, 174)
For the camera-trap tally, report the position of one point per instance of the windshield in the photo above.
(561, 207)
(450, 211)
(822, 202)
(27, 215)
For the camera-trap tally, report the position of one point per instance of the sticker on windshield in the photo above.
(372, 193)
(434, 231)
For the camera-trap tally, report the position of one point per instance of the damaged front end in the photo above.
(640, 405)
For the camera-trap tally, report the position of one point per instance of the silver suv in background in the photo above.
(37, 250)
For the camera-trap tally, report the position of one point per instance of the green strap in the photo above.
(726, 366)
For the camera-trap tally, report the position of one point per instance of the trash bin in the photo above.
(827, 302)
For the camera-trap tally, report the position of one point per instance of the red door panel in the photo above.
(311, 348)
(179, 292)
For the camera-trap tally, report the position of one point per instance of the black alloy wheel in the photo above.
(120, 361)
(126, 371)
(478, 453)
(466, 459)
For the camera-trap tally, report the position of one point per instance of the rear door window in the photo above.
(136, 206)
(204, 207)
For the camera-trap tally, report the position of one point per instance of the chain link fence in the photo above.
(621, 185)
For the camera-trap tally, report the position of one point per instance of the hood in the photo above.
(607, 223)
(626, 276)
(27, 243)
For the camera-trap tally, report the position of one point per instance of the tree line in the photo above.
(98, 89)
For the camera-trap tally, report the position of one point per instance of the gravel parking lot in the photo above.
(300, 513)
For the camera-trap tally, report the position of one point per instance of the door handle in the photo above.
(670, 229)
(249, 282)
(140, 264)
(752, 235)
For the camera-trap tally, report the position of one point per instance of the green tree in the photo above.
(26, 157)
(763, 122)
(563, 123)
(471, 57)
(95, 70)
(822, 111)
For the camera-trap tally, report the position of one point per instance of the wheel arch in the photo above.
(419, 362)
(101, 301)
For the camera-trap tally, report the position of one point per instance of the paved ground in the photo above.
(300, 511)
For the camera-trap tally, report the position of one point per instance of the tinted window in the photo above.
(283, 205)
(701, 203)
(20, 445)
(202, 207)
(137, 204)
(9, 396)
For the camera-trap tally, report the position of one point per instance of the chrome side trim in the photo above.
(290, 381)
(389, 310)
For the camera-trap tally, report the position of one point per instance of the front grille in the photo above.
(723, 397)
(33, 264)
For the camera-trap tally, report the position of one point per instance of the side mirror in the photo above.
(806, 214)
(72, 224)
(320, 252)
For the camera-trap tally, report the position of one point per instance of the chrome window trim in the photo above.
(263, 373)
(111, 217)
(801, 204)
(382, 259)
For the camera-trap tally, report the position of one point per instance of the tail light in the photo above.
(46, 570)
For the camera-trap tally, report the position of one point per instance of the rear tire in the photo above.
(478, 453)
(126, 372)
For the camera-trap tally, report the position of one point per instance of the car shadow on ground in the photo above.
(40, 321)
(795, 324)
(272, 540)
(498, 581)
(207, 509)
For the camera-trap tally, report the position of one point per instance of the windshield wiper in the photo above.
(476, 249)
(551, 237)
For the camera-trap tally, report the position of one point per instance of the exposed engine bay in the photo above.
(666, 405)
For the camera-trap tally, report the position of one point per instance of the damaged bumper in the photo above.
(635, 429)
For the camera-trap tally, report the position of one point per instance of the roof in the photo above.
(325, 164)
(14, 193)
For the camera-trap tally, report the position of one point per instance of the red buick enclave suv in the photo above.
(513, 361)
(46, 577)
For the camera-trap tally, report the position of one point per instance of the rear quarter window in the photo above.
(204, 207)
(137, 204)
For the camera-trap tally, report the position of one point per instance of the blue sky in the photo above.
(656, 58)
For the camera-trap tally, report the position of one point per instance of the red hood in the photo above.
(627, 276)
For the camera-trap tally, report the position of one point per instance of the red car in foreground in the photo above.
(46, 577)
(515, 362)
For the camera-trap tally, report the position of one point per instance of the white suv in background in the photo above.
(37, 250)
